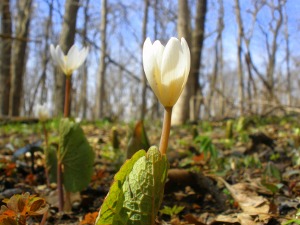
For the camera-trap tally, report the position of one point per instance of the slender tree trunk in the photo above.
(144, 35)
(83, 94)
(239, 56)
(197, 43)
(19, 57)
(102, 66)
(156, 104)
(181, 110)
(217, 58)
(45, 59)
(67, 38)
(5, 57)
(287, 52)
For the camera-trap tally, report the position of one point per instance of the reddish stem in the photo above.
(67, 97)
(165, 131)
(46, 155)
(60, 191)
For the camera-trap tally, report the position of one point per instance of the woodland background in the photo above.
(245, 57)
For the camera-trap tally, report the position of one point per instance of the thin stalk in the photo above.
(43, 222)
(67, 96)
(60, 190)
(46, 155)
(67, 202)
(165, 130)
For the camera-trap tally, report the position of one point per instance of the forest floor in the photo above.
(244, 171)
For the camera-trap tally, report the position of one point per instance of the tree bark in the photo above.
(272, 50)
(67, 38)
(144, 35)
(218, 58)
(5, 57)
(19, 57)
(102, 66)
(287, 52)
(239, 56)
(83, 94)
(45, 60)
(181, 110)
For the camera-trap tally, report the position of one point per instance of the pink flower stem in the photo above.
(165, 130)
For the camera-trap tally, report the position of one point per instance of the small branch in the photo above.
(7, 36)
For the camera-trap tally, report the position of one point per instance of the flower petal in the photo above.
(158, 50)
(187, 56)
(73, 58)
(53, 53)
(61, 59)
(82, 55)
(150, 67)
(173, 71)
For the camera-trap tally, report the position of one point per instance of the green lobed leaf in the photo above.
(137, 191)
(76, 155)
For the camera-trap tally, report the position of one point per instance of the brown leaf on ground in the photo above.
(240, 218)
(249, 201)
(191, 219)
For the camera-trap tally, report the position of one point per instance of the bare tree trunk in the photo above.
(181, 110)
(101, 79)
(156, 105)
(83, 93)
(239, 56)
(287, 52)
(66, 41)
(45, 59)
(197, 43)
(144, 35)
(272, 48)
(272, 55)
(217, 62)
(5, 57)
(19, 57)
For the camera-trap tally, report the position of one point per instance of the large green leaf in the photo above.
(76, 156)
(137, 191)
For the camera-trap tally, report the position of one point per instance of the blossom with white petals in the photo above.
(42, 112)
(167, 68)
(70, 62)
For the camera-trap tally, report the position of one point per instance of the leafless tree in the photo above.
(102, 65)
(239, 56)
(5, 57)
(144, 35)
(218, 63)
(19, 56)
(45, 59)
(67, 37)
(181, 110)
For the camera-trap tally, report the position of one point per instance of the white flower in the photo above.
(167, 68)
(70, 62)
(42, 112)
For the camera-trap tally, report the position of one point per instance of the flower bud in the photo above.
(167, 68)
